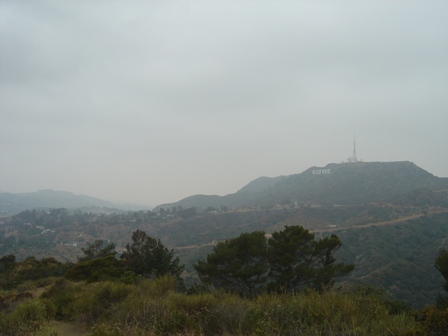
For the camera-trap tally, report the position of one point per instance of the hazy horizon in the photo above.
(148, 102)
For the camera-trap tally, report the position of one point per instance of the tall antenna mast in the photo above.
(353, 158)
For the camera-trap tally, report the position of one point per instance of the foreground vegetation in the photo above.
(154, 307)
(289, 277)
(159, 306)
(398, 256)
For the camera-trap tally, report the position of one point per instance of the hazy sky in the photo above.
(152, 101)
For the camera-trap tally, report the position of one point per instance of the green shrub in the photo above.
(95, 300)
(154, 307)
(101, 269)
(26, 286)
(434, 321)
(158, 287)
(60, 297)
(26, 318)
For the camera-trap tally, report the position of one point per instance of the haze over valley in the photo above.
(148, 103)
(196, 165)
(389, 215)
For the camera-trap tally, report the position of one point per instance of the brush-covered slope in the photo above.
(340, 184)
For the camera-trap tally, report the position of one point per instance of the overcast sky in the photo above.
(151, 101)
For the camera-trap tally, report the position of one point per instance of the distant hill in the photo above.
(334, 184)
(11, 204)
(393, 244)
(391, 218)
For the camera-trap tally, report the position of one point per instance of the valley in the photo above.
(391, 240)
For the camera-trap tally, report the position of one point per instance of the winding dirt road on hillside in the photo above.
(390, 222)
(334, 229)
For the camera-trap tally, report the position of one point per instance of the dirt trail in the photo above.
(66, 329)
(38, 292)
(60, 327)
(390, 222)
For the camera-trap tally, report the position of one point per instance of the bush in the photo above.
(59, 297)
(149, 312)
(96, 299)
(434, 321)
(27, 318)
(106, 268)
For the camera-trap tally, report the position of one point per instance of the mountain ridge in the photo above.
(333, 184)
(11, 203)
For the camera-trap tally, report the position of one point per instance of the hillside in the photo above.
(392, 245)
(11, 204)
(341, 184)
(391, 218)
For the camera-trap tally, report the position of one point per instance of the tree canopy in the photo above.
(238, 264)
(147, 256)
(97, 249)
(290, 260)
(298, 260)
(442, 266)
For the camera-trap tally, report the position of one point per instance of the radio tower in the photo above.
(353, 158)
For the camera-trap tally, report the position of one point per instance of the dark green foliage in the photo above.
(396, 307)
(98, 249)
(33, 269)
(298, 260)
(99, 269)
(59, 297)
(434, 321)
(14, 273)
(400, 258)
(94, 301)
(7, 263)
(442, 266)
(291, 260)
(325, 264)
(148, 257)
(26, 319)
(238, 264)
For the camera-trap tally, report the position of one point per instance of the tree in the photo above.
(98, 249)
(239, 264)
(291, 260)
(297, 260)
(327, 268)
(149, 257)
(7, 262)
(97, 269)
(442, 266)
(290, 257)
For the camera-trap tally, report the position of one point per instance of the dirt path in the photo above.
(60, 327)
(390, 222)
(66, 329)
(38, 292)
(213, 243)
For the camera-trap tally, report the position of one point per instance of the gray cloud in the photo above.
(153, 101)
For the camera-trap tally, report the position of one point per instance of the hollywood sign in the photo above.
(321, 171)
